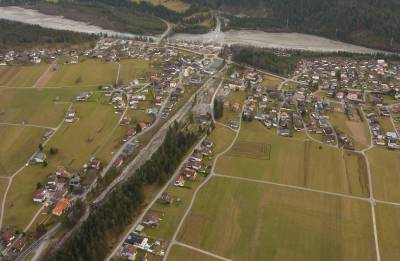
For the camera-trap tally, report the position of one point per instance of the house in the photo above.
(118, 162)
(207, 143)
(48, 134)
(129, 252)
(179, 182)
(143, 125)
(38, 158)
(61, 172)
(18, 245)
(75, 182)
(39, 196)
(191, 174)
(165, 199)
(150, 220)
(196, 157)
(125, 121)
(7, 237)
(236, 106)
(95, 163)
(62, 205)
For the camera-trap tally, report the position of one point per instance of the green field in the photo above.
(17, 145)
(270, 82)
(21, 76)
(75, 143)
(134, 69)
(35, 106)
(250, 221)
(222, 138)
(295, 162)
(385, 166)
(388, 223)
(233, 97)
(175, 5)
(183, 253)
(88, 72)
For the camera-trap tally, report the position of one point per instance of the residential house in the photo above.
(62, 205)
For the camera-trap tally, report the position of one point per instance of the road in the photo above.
(166, 32)
(139, 219)
(206, 86)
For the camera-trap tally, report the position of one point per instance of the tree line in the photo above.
(284, 63)
(112, 216)
(15, 33)
(374, 23)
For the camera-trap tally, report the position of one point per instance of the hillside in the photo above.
(370, 23)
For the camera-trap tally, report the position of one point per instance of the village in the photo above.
(319, 101)
(141, 104)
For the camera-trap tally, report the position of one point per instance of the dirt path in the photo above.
(45, 77)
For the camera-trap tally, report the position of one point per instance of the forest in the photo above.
(13, 34)
(112, 216)
(373, 23)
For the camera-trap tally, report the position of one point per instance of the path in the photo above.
(202, 251)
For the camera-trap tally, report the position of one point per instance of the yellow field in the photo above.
(21, 76)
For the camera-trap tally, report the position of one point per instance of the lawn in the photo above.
(295, 162)
(134, 69)
(388, 224)
(75, 143)
(251, 221)
(21, 76)
(35, 106)
(356, 129)
(88, 72)
(385, 166)
(182, 253)
(386, 124)
(17, 145)
(270, 82)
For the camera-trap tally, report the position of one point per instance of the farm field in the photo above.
(357, 130)
(17, 145)
(260, 154)
(21, 76)
(384, 171)
(88, 72)
(182, 253)
(75, 143)
(132, 69)
(388, 227)
(175, 5)
(35, 106)
(284, 224)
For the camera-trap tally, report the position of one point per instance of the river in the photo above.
(35, 17)
(245, 37)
